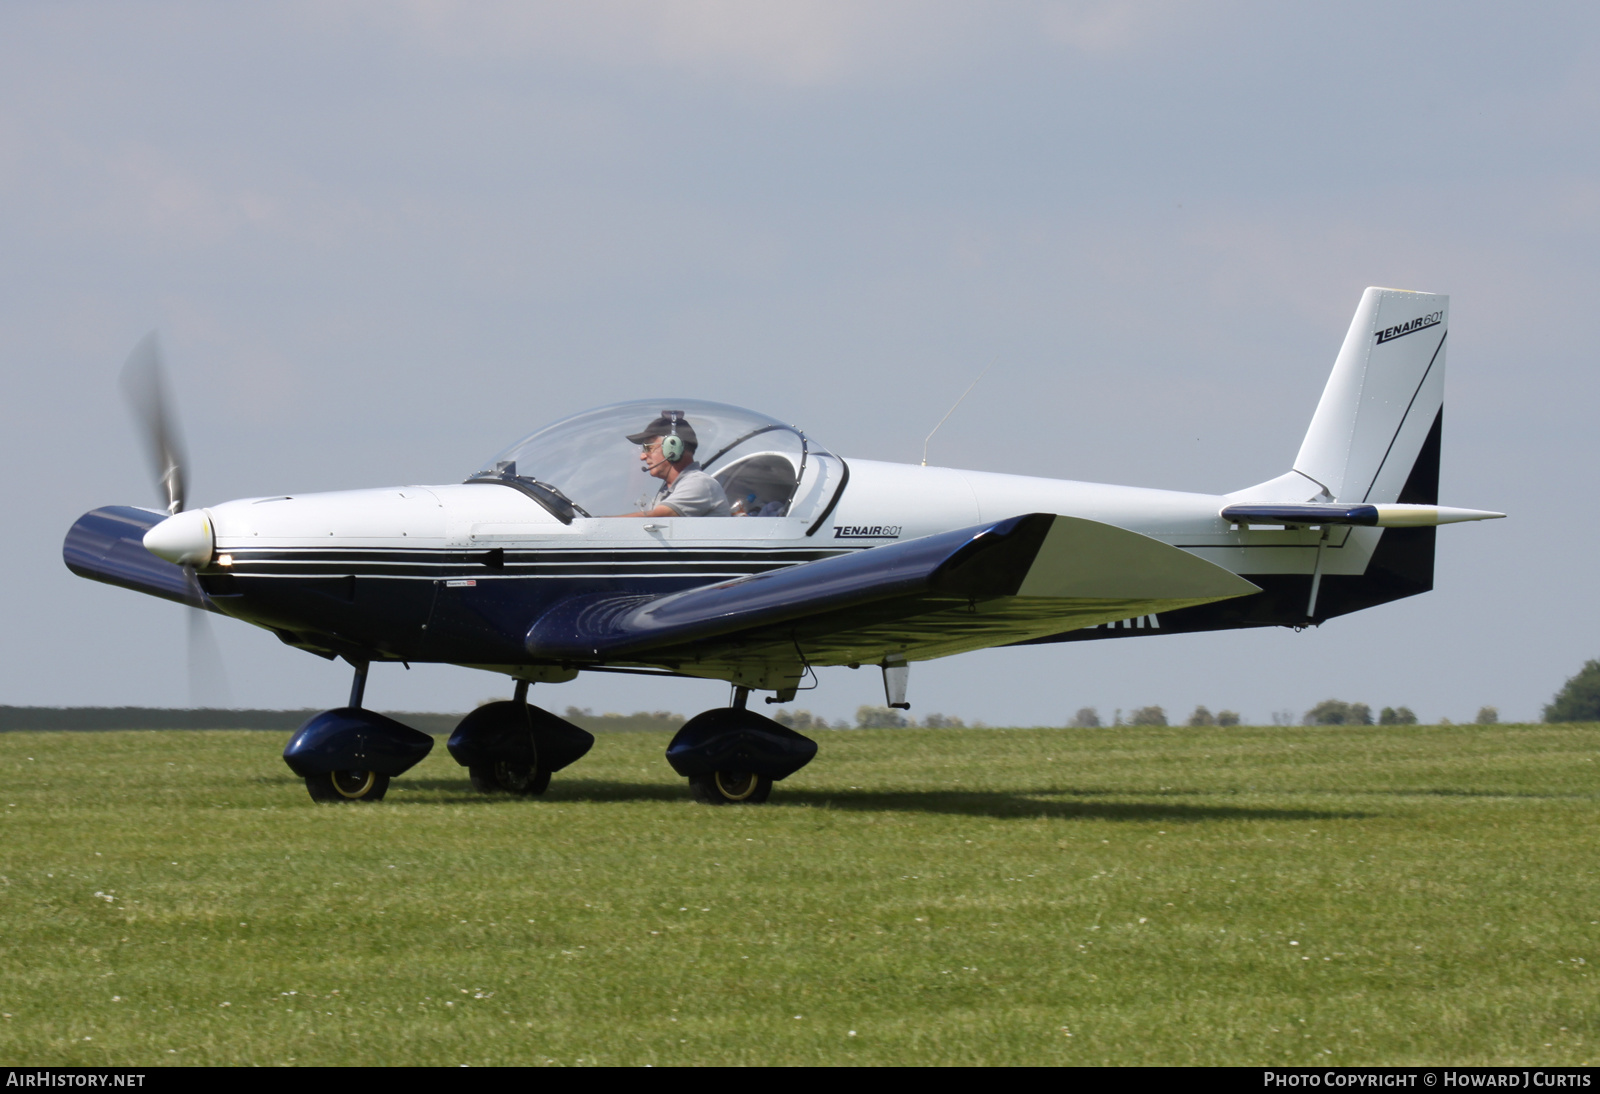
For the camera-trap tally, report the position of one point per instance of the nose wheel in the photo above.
(730, 788)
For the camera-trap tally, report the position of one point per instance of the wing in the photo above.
(992, 585)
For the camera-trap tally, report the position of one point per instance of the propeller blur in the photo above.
(144, 384)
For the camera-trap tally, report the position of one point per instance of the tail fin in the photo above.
(1374, 441)
(1375, 435)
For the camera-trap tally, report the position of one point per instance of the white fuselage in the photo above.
(883, 503)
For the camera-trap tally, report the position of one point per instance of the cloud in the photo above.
(820, 43)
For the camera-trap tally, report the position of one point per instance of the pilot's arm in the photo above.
(692, 494)
(658, 511)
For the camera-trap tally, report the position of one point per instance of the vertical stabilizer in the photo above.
(1380, 414)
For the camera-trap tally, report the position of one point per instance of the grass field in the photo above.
(1182, 896)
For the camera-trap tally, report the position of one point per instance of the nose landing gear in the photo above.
(350, 754)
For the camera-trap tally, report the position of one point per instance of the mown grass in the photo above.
(1181, 896)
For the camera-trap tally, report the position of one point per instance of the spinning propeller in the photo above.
(144, 382)
(186, 538)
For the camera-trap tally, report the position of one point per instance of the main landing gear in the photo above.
(732, 756)
(350, 754)
(514, 747)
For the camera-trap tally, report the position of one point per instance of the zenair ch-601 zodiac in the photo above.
(764, 554)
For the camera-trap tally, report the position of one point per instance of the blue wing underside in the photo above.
(990, 585)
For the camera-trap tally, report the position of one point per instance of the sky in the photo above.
(381, 241)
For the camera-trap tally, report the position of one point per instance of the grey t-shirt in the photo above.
(695, 494)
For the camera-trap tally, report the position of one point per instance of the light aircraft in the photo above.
(518, 571)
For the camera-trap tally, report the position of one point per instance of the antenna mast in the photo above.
(952, 409)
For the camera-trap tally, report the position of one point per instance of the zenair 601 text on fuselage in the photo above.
(524, 569)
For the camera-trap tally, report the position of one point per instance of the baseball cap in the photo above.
(664, 427)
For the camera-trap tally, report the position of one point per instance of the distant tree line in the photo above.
(13, 719)
(869, 717)
(1089, 718)
(640, 721)
(1337, 712)
(1577, 701)
(1329, 712)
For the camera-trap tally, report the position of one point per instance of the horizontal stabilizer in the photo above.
(1025, 576)
(1371, 516)
(108, 545)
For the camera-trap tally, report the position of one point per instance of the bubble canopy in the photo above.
(589, 461)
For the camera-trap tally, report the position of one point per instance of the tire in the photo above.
(503, 776)
(347, 786)
(730, 788)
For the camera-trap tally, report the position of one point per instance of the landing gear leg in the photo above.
(358, 686)
(511, 776)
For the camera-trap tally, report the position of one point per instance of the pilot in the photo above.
(666, 452)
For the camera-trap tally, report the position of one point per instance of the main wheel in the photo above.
(730, 788)
(512, 778)
(347, 786)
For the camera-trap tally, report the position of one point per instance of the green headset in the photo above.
(672, 446)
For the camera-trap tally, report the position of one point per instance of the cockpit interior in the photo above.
(585, 465)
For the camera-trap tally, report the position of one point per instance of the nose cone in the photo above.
(184, 538)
